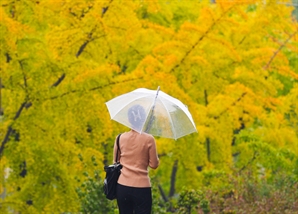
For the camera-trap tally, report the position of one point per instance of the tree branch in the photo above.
(8, 57)
(81, 49)
(234, 103)
(26, 104)
(173, 178)
(105, 9)
(83, 46)
(59, 80)
(200, 39)
(9, 130)
(1, 110)
(278, 50)
(92, 89)
(89, 39)
(251, 160)
(208, 149)
(163, 195)
(206, 97)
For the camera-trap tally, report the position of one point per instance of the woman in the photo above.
(138, 152)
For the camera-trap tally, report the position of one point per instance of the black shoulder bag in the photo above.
(112, 174)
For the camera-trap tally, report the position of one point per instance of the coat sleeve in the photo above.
(153, 156)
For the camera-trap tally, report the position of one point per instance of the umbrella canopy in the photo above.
(153, 112)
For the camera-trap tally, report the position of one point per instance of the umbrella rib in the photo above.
(150, 109)
(185, 110)
(173, 130)
(151, 115)
(182, 107)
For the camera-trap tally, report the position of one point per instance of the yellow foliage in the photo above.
(152, 6)
(200, 60)
(96, 73)
(159, 29)
(231, 63)
(227, 45)
(187, 26)
(163, 48)
(170, 61)
(15, 28)
(286, 71)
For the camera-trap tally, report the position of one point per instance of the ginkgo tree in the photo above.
(233, 63)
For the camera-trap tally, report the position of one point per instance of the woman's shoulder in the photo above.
(142, 135)
(147, 136)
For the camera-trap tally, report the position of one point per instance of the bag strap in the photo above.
(118, 148)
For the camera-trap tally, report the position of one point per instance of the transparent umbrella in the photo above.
(153, 112)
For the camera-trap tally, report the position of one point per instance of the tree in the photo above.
(234, 65)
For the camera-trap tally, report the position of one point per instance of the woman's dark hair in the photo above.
(136, 117)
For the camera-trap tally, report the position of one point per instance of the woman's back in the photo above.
(138, 151)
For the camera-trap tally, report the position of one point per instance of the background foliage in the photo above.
(234, 63)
